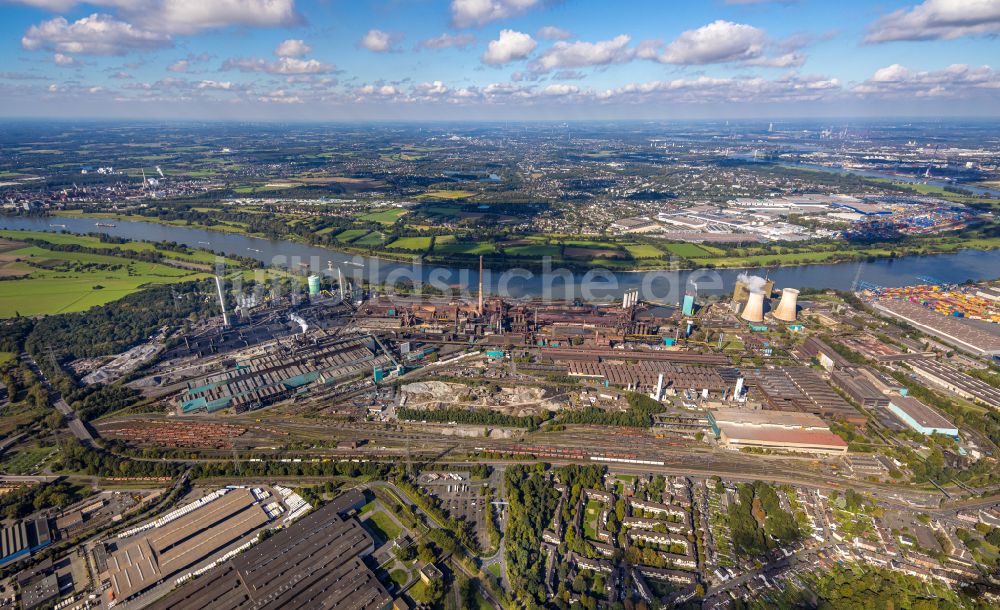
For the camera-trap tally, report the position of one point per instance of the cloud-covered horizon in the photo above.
(518, 58)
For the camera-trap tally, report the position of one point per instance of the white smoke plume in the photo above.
(754, 283)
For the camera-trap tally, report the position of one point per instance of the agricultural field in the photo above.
(350, 235)
(446, 244)
(446, 194)
(686, 250)
(86, 241)
(371, 240)
(52, 282)
(411, 243)
(387, 217)
(591, 253)
(643, 251)
(531, 250)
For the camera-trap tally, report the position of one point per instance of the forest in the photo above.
(757, 522)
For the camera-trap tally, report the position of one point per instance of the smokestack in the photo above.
(625, 299)
(480, 284)
(738, 392)
(658, 394)
(754, 310)
(222, 302)
(786, 307)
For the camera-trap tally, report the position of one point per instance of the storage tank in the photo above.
(313, 285)
(786, 310)
(754, 310)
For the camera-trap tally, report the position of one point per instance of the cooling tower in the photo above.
(786, 307)
(754, 310)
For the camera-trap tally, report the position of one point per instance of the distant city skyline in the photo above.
(497, 59)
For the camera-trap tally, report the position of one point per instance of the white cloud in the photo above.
(937, 19)
(57, 6)
(64, 60)
(292, 47)
(285, 65)
(786, 60)
(280, 96)
(447, 41)
(379, 90)
(704, 90)
(957, 80)
(434, 88)
(551, 32)
(559, 90)
(582, 54)
(189, 16)
(181, 65)
(97, 34)
(718, 42)
(216, 85)
(510, 46)
(469, 13)
(378, 41)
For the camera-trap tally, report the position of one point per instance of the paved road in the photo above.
(500, 557)
(76, 426)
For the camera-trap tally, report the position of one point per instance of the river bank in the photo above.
(817, 254)
(662, 286)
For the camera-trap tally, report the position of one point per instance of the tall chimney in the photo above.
(222, 302)
(658, 395)
(754, 310)
(480, 284)
(786, 307)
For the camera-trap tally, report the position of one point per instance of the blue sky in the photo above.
(497, 59)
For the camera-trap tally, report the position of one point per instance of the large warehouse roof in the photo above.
(166, 550)
(315, 564)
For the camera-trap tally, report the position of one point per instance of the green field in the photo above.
(446, 194)
(446, 244)
(591, 514)
(6, 357)
(350, 235)
(643, 251)
(193, 256)
(399, 577)
(686, 250)
(60, 282)
(12, 416)
(26, 461)
(532, 250)
(411, 243)
(371, 240)
(383, 525)
(386, 217)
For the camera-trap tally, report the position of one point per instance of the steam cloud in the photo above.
(754, 283)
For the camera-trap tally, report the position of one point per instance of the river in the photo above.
(655, 286)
